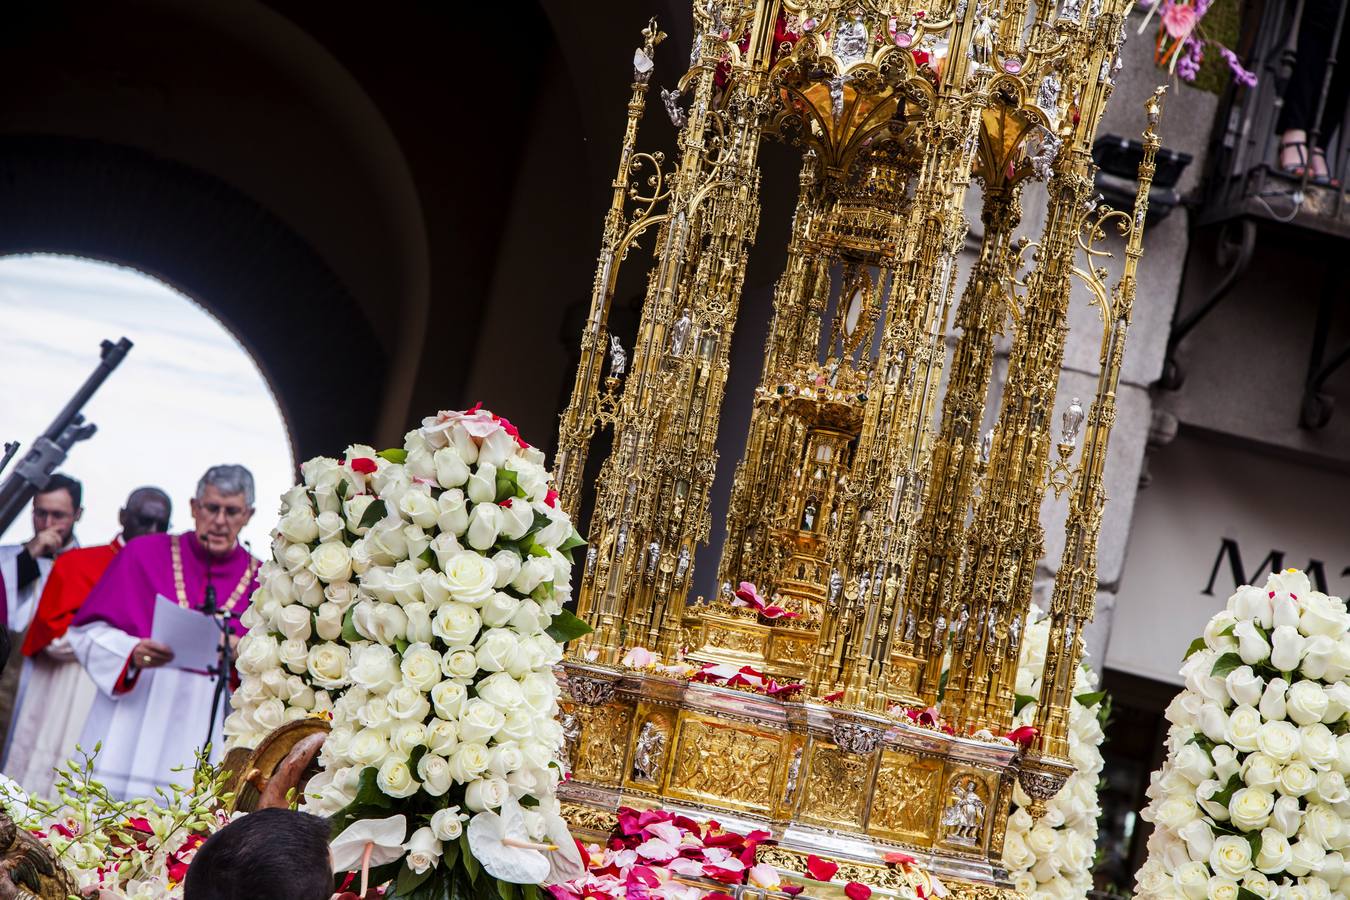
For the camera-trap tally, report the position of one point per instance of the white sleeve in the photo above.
(9, 572)
(104, 651)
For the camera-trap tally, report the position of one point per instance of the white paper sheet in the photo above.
(193, 637)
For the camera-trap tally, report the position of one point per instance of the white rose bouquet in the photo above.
(415, 597)
(1252, 800)
(1052, 857)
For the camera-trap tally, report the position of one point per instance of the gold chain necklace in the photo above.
(176, 551)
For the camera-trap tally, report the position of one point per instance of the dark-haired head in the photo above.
(271, 854)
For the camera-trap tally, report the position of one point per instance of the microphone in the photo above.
(209, 607)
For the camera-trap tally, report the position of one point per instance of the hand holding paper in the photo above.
(194, 637)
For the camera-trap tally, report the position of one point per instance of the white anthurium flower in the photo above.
(565, 863)
(382, 838)
(500, 844)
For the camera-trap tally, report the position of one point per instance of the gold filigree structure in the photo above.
(899, 539)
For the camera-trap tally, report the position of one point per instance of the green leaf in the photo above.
(1244, 894)
(1020, 701)
(342, 489)
(471, 865)
(567, 627)
(349, 632)
(540, 520)
(1228, 631)
(416, 757)
(1196, 646)
(508, 485)
(394, 455)
(429, 558)
(1225, 664)
(529, 892)
(1091, 699)
(528, 802)
(506, 890)
(409, 881)
(449, 855)
(401, 645)
(1254, 839)
(573, 541)
(536, 550)
(374, 513)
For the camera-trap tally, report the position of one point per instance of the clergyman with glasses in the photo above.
(57, 694)
(150, 713)
(24, 569)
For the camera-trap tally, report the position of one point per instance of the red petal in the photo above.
(364, 465)
(856, 891)
(551, 498)
(833, 698)
(1024, 735)
(507, 502)
(897, 858)
(820, 869)
(792, 890)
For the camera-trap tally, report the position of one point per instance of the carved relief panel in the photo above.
(598, 750)
(731, 764)
(967, 799)
(838, 785)
(907, 794)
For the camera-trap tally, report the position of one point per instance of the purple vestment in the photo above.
(125, 596)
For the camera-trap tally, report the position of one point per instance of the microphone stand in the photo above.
(225, 659)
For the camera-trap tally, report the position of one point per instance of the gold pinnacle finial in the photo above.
(653, 34)
(1153, 106)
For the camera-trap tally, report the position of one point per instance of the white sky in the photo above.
(186, 397)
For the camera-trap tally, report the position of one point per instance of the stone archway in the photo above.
(310, 338)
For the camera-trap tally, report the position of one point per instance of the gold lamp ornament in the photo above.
(888, 552)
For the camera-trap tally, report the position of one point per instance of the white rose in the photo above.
(469, 577)
(533, 572)
(496, 448)
(328, 621)
(321, 470)
(1278, 740)
(502, 691)
(435, 589)
(435, 774)
(1318, 656)
(442, 736)
(1286, 817)
(1193, 763)
(1338, 701)
(298, 525)
(558, 529)
(331, 562)
(1297, 779)
(341, 594)
(1317, 746)
(453, 513)
(497, 650)
(1323, 615)
(1252, 603)
(507, 563)
(1204, 794)
(451, 471)
(505, 759)
(1250, 808)
(1222, 888)
(1184, 710)
(1199, 838)
(1192, 880)
(459, 664)
(374, 667)
(368, 747)
(328, 664)
(387, 542)
(481, 487)
(294, 623)
(1305, 857)
(1226, 763)
(400, 584)
(540, 691)
(1230, 857)
(1343, 754)
(1242, 727)
(1333, 867)
(308, 588)
(469, 760)
(519, 725)
(1244, 686)
(269, 714)
(408, 703)
(447, 824)
(448, 698)
(1252, 646)
(479, 721)
(530, 618)
(294, 655)
(1331, 787)
(1272, 701)
(499, 609)
(382, 622)
(457, 624)
(1286, 648)
(293, 556)
(1306, 702)
(417, 507)
(486, 793)
(419, 623)
(257, 653)
(516, 519)
(1258, 884)
(374, 713)
(395, 779)
(330, 526)
(485, 523)
(406, 737)
(421, 666)
(1321, 824)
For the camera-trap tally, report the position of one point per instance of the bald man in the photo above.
(56, 693)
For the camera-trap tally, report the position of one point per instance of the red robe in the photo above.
(73, 576)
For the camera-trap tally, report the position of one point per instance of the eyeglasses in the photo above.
(51, 515)
(214, 510)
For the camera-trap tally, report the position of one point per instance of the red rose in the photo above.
(363, 464)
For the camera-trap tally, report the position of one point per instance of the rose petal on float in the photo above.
(857, 891)
(820, 869)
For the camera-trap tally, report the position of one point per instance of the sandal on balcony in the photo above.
(1323, 179)
(1299, 167)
